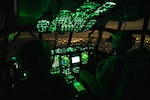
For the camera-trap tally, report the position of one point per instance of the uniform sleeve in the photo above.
(104, 75)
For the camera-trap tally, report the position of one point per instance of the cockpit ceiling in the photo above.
(127, 9)
(26, 12)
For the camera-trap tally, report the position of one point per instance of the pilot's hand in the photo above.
(89, 79)
(86, 76)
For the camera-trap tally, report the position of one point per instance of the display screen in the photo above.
(56, 61)
(84, 57)
(55, 65)
(75, 59)
(65, 61)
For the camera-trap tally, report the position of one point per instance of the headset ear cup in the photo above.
(21, 73)
(18, 61)
(133, 42)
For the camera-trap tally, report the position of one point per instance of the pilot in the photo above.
(122, 42)
(34, 59)
(109, 69)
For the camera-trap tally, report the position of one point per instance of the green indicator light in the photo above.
(76, 84)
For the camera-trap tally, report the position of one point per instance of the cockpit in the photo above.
(79, 32)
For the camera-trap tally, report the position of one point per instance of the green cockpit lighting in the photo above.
(82, 19)
(84, 58)
(65, 61)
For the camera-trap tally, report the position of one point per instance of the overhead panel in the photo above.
(81, 19)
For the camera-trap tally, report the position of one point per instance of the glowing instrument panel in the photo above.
(70, 60)
(82, 19)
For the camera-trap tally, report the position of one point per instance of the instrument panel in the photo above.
(70, 60)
